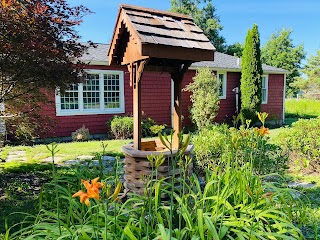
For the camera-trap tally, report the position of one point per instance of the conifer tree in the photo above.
(250, 83)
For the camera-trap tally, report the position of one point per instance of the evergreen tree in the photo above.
(280, 52)
(250, 84)
(204, 17)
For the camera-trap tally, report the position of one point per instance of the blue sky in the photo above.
(302, 16)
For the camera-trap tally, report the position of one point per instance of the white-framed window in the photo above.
(222, 80)
(102, 92)
(264, 89)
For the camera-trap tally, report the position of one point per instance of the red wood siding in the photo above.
(228, 105)
(274, 105)
(156, 102)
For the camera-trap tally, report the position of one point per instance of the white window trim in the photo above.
(267, 87)
(101, 110)
(224, 84)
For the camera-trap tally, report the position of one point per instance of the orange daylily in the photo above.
(263, 131)
(92, 191)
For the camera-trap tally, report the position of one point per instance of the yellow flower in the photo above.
(116, 191)
(92, 191)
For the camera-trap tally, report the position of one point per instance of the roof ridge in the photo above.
(150, 10)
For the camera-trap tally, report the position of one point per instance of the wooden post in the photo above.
(136, 71)
(177, 78)
(177, 121)
(137, 116)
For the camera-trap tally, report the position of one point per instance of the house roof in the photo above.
(144, 33)
(222, 61)
(227, 62)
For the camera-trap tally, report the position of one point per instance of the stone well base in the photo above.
(137, 168)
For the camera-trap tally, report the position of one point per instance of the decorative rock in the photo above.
(84, 157)
(72, 162)
(108, 158)
(301, 185)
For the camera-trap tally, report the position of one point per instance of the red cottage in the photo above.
(107, 92)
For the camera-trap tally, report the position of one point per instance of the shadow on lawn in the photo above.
(19, 192)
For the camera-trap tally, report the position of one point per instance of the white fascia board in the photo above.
(284, 97)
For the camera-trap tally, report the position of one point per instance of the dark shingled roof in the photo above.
(96, 54)
(227, 62)
(222, 61)
(165, 28)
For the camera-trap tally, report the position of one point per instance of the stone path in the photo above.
(295, 186)
(107, 163)
(301, 185)
(16, 156)
(84, 160)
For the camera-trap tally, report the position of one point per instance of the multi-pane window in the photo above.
(91, 92)
(264, 89)
(101, 92)
(111, 90)
(70, 100)
(222, 80)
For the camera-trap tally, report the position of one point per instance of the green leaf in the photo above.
(129, 233)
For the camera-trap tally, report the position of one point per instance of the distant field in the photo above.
(302, 108)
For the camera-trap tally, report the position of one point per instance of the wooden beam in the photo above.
(179, 53)
(177, 78)
(168, 69)
(136, 71)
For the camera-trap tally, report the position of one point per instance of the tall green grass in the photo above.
(302, 108)
(234, 203)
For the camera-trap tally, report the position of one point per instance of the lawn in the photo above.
(302, 108)
(67, 151)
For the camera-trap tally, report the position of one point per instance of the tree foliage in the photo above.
(310, 83)
(205, 97)
(280, 52)
(39, 46)
(250, 83)
(203, 13)
(235, 49)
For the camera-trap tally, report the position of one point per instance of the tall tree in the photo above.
(39, 46)
(310, 83)
(204, 17)
(250, 83)
(280, 52)
(235, 49)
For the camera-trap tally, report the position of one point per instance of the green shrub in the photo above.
(147, 123)
(218, 142)
(156, 129)
(122, 127)
(205, 97)
(302, 140)
(81, 134)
